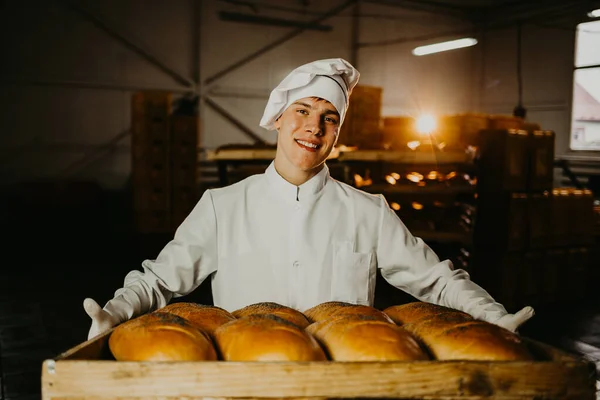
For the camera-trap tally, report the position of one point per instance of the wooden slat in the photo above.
(435, 380)
(406, 157)
(355, 155)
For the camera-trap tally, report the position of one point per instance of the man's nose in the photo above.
(314, 125)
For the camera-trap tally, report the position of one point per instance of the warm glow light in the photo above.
(395, 206)
(414, 177)
(444, 46)
(417, 206)
(594, 13)
(358, 180)
(395, 175)
(414, 144)
(426, 124)
(390, 179)
(432, 175)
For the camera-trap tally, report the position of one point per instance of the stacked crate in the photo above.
(512, 231)
(185, 131)
(461, 130)
(398, 133)
(150, 169)
(164, 163)
(361, 126)
(534, 242)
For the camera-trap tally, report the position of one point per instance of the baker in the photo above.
(294, 235)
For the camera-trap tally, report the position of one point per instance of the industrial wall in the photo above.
(69, 68)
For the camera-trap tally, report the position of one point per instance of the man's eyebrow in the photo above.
(334, 112)
(302, 104)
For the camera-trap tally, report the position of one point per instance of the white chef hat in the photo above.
(331, 79)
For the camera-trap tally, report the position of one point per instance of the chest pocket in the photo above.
(351, 275)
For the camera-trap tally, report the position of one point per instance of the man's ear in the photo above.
(277, 124)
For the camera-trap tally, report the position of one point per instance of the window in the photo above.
(585, 116)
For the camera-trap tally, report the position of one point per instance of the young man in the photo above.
(294, 235)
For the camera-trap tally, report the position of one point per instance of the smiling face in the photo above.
(307, 132)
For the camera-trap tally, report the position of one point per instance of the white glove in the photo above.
(102, 321)
(513, 321)
(127, 303)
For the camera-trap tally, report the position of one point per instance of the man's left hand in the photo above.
(513, 321)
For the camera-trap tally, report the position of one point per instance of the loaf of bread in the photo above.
(450, 334)
(287, 313)
(329, 309)
(266, 337)
(365, 338)
(203, 317)
(415, 311)
(160, 337)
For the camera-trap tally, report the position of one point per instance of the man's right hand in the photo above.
(102, 321)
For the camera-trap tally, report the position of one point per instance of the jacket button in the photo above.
(296, 264)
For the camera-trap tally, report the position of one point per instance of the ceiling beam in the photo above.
(126, 40)
(238, 64)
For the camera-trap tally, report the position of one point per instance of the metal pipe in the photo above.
(269, 21)
(437, 8)
(355, 34)
(197, 42)
(239, 95)
(237, 123)
(112, 32)
(490, 27)
(93, 156)
(91, 85)
(276, 43)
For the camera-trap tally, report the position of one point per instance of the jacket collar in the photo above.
(305, 193)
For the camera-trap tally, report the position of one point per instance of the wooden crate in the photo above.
(504, 160)
(502, 221)
(463, 128)
(541, 160)
(152, 221)
(361, 125)
(397, 132)
(540, 220)
(87, 372)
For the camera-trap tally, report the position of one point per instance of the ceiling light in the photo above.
(444, 46)
(594, 13)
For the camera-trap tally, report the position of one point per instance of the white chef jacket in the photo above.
(265, 239)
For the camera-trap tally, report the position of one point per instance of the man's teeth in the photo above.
(307, 144)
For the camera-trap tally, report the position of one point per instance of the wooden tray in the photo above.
(88, 371)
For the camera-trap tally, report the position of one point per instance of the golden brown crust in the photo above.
(160, 337)
(287, 313)
(266, 337)
(476, 340)
(204, 317)
(365, 338)
(413, 312)
(450, 334)
(436, 324)
(330, 309)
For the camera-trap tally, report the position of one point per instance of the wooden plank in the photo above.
(411, 380)
(407, 157)
(93, 349)
(433, 188)
(411, 157)
(240, 154)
